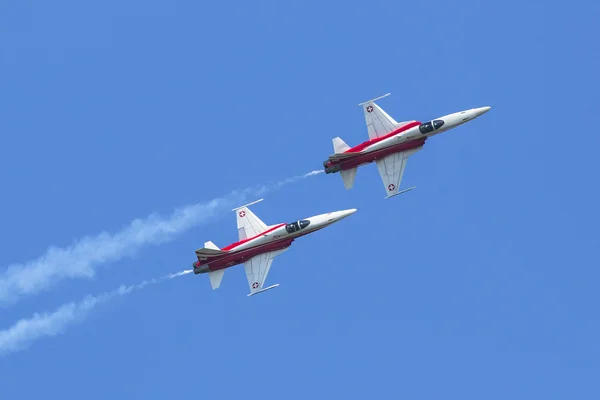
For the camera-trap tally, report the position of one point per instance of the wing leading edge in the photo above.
(257, 268)
(248, 224)
(391, 170)
(379, 123)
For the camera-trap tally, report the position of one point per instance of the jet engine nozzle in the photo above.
(331, 169)
(199, 269)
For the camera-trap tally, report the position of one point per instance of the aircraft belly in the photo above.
(374, 155)
(241, 256)
(385, 144)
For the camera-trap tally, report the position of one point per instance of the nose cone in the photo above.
(481, 110)
(345, 213)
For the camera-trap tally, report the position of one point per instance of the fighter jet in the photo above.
(390, 144)
(258, 245)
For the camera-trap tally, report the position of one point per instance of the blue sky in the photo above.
(482, 282)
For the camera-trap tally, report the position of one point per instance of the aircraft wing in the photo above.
(257, 268)
(379, 123)
(391, 170)
(248, 224)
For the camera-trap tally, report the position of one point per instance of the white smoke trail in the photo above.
(81, 259)
(26, 331)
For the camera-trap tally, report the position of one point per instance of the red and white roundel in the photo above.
(391, 187)
(254, 285)
(370, 109)
(242, 213)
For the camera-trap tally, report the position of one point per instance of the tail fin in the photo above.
(339, 146)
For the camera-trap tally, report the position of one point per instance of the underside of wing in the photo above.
(379, 123)
(391, 170)
(248, 224)
(257, 268)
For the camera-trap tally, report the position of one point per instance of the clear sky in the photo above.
(481, 283)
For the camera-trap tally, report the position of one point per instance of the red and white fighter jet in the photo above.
(258, 245)
(390, 144)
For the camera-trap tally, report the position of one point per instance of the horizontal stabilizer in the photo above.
(216, 277)
(263, 290)
(207, 252)
(348, 177)
(211, 245)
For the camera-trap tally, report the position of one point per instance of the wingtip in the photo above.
(263, 290)
(376, 98)
(400, 192)
(246, 205)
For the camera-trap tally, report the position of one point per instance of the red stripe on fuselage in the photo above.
(236, 244)
(364, 145)
(365, 158)
(238, 257)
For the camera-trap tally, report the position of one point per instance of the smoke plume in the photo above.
(85, 255)
(26, 331)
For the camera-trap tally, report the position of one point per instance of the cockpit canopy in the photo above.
(296, 226)
(431, 126)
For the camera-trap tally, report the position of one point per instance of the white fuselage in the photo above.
(458, 118)
(291, 230)
(427, 129)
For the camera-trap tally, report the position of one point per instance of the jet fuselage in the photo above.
(411, 135)
(275, 238)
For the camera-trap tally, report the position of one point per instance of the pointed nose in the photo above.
(481, 110)
(345, 213)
